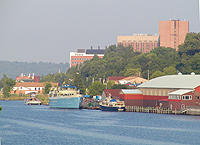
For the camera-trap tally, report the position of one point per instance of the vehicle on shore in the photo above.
(32, 100)
(68, 97)
(112, 105)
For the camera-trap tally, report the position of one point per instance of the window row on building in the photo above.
(80, 58)
(178, 97)
(76, 62)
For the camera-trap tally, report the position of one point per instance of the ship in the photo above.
(32, 100)
(68, 97)
(112, 105)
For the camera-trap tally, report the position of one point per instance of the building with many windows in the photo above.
(83, 55)
(174, 91)
(172, 33)
(140, 42)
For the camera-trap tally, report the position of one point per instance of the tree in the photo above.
(47, 88)
(119, 86)
(96, 88)
(170, 70)
(132, 72)
(8, 85)
(191, 45)
(157, 74)
(78, 82)
(110, 84)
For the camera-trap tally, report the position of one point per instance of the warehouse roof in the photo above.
(173, 81)
(130, 91)
(180, 92)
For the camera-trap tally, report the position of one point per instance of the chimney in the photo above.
(98, 47)
(91, 47)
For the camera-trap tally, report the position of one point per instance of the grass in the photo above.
(43, 98)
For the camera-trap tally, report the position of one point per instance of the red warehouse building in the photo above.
(177, 91)
(131, 97)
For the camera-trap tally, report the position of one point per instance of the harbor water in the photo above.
(31, 125)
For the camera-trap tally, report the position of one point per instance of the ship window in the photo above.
(175, 97)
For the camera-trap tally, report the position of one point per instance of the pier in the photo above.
(187, 111)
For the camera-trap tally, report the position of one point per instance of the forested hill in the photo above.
(124, 61)
(13, 69)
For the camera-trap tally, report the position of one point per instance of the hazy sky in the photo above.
(47, 30)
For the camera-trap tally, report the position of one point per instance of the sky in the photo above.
(48, 30)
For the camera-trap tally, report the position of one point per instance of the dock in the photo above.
(188, 111)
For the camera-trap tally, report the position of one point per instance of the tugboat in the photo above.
(32, 100)
(112, 105)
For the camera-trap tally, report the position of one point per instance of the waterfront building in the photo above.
(140, 42)
(125, 80)
(132, 80)
(131, 97)
(172, 33)
(174, 91)
(84, 55)
(29, 87)
(115, 78)
(114, 93)
(27, 78)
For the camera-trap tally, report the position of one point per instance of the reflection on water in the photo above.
(41, 125)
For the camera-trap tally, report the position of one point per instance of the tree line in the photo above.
(124, 61)
(13, 69)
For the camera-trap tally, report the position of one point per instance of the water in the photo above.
(21, 124)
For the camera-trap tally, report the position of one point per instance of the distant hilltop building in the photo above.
(83, 55)
(172, 33)
(28, 78)
(140, 42)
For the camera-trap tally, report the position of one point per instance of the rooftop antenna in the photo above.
(174, 17)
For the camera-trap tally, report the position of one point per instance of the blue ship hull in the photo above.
(66, 103)
(108, 108)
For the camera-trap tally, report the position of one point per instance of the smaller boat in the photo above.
(32, 100)
(112, 105)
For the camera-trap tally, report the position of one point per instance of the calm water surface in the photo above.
(21, 124)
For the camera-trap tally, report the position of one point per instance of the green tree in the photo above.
(96, 88)
(132, 72)
(157, 74)
(110, 84)
(47, 88)
(119, 86)
(78, 82)
(8, 85)
(170, 70)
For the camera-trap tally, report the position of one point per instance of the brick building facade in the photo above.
(83, 55)
(172, 33)
(142, 42)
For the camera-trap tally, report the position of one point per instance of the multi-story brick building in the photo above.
(140, 42)
(83, 55)
(172, 33)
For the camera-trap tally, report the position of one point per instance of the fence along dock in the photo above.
(154, 110)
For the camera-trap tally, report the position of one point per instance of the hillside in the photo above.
(13, 69)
